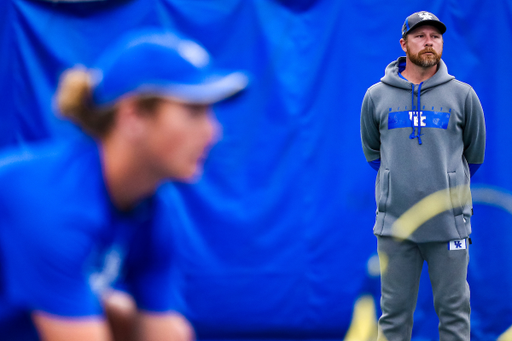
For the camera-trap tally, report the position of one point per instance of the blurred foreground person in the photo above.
(81, 216)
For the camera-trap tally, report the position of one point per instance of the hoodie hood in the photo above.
(392, 77)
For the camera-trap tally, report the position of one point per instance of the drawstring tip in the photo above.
(413, 136)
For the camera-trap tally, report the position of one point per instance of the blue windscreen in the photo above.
(275, 241)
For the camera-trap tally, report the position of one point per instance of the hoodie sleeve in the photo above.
(474, 130)
(370, 133)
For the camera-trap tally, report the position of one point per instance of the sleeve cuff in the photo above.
(375, 164)
(473, 167)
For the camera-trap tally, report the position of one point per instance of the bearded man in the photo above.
(424, 131)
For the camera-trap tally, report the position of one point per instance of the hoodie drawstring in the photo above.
(416, 134)
(412, 136)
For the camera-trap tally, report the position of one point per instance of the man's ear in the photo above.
(403, 44)
(129, 122)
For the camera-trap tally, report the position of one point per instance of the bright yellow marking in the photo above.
(429, 207)
(506, 336)
(383, 262)
(363, 326)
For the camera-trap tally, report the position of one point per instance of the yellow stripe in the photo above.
(429, 207)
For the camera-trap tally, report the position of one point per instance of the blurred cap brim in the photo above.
(212, 90)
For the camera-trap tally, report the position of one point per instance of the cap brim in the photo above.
(210, 91)
(437, 24)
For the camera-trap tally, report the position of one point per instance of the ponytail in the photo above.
(74, 101)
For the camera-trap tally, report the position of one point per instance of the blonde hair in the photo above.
(74, 101)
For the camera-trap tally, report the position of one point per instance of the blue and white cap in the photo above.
(161, 63)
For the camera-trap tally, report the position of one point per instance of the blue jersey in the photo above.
(62, 242)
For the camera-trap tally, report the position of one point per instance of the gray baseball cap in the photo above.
(422, 18)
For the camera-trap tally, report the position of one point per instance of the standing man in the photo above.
(424, 132)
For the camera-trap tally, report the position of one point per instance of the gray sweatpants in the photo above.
(400, 282)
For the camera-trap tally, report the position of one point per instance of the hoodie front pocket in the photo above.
(457, 205)
(384, 191)
(382, 197)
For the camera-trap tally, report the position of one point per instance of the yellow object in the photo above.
(363, 326)
(506, 336)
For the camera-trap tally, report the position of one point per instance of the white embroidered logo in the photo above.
(425, 16)
(101, 281)
(193, 53)
(413, 115)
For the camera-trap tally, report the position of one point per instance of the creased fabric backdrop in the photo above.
(274, 241)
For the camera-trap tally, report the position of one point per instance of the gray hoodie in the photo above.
(422, 153)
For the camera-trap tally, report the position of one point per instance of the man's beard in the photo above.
(424, 60)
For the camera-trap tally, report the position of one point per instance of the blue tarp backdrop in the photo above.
(273, 242)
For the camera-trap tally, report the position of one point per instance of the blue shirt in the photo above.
(62, 242)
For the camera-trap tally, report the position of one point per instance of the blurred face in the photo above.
(177, 139)
(423, 46)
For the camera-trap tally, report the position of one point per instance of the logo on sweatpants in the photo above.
(457, 245)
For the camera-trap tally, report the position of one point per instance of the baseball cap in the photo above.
(422, 18)
(164, 64)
